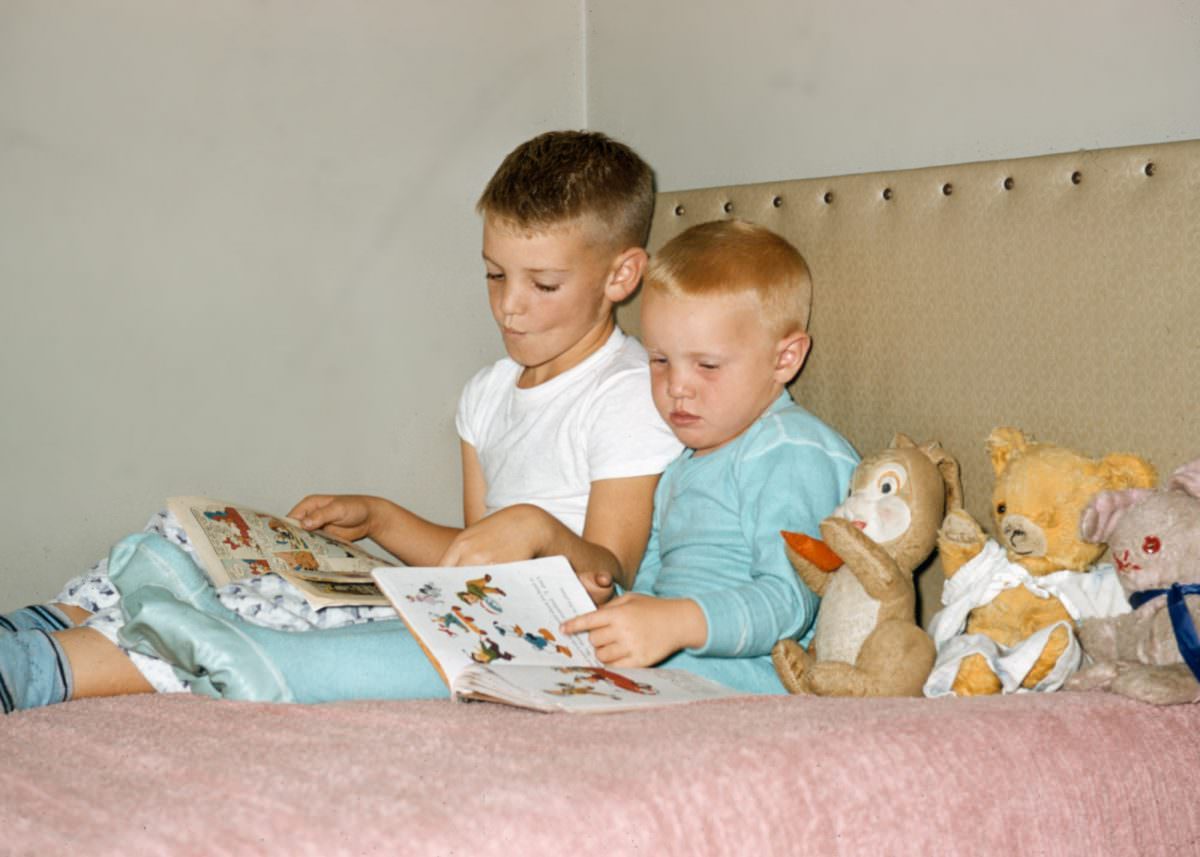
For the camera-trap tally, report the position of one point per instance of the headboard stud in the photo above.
(1007, 302)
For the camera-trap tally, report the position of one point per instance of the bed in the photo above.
(1056, 293)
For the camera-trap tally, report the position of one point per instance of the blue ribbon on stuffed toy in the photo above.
(1181, 621)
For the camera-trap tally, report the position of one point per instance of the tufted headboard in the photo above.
(1059, 294)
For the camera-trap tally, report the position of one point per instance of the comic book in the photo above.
(234, 542)
(492, 633)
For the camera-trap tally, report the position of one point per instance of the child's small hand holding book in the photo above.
(635, 630)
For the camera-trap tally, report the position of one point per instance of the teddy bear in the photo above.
(1011, 603)
(1152, 653)
(866, 641)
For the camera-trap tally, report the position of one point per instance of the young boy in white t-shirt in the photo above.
(561, 450)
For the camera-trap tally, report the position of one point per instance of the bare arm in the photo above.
(614, 535)
(474, 485)
(618, 523)
(409, 537)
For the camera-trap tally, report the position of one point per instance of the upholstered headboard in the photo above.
(1059, 294)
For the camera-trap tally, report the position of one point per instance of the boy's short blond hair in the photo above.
(564, 176)
(725, 257)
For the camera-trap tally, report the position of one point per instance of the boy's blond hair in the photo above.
(564, 176)
(725, 257)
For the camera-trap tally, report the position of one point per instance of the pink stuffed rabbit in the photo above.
(1153, 652)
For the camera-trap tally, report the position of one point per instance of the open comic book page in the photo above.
(503, 614)
(586, 690)
(234, 542)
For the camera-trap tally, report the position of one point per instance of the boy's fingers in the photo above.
(315, 519)
(598, 594)
(315, 512)
(583, 622)
(306, 506)
(611, 654)
(339, 533)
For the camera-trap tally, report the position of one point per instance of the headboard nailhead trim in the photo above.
(731, 199)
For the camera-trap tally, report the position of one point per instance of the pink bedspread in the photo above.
(1047, 775)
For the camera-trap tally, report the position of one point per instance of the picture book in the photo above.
(234, 542)
(492, 633)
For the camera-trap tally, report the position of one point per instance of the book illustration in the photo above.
(503, 614)
(481, 640)
(574, 688)
(586, 680)
(448, 622)
(238, 535)
(427, 594)
(585, 689)
(540, 641)
(478, 591)
(491, 633)
(234, 542)
(598, 675)
(487, 651)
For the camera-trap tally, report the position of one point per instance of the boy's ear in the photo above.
(625, 273)
(791, 352)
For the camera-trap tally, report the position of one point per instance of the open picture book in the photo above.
(234, 542)
(492, 634)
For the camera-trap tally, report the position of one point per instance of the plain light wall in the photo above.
(239, 254)
(714, 93)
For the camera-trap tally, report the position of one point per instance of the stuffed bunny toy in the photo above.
(1153, 653)
(867, 641)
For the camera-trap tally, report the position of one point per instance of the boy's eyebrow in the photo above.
(492, 261)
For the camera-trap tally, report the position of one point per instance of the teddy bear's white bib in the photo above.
(1083, 594)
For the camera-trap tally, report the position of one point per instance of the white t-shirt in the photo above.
(547, 444)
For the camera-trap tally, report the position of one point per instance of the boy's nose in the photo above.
(677, 386)
(510, 303)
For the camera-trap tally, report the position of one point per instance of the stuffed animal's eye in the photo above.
(888, 483)
(1001, 509)
(1151, 545)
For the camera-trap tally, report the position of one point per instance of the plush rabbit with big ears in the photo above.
(866, 641)
(1153, 653)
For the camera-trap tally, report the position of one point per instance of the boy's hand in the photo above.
(636, 630)
(599, 585)
(511, 534)
(343, 516)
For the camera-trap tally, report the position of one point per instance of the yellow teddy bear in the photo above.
(1011, 603)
